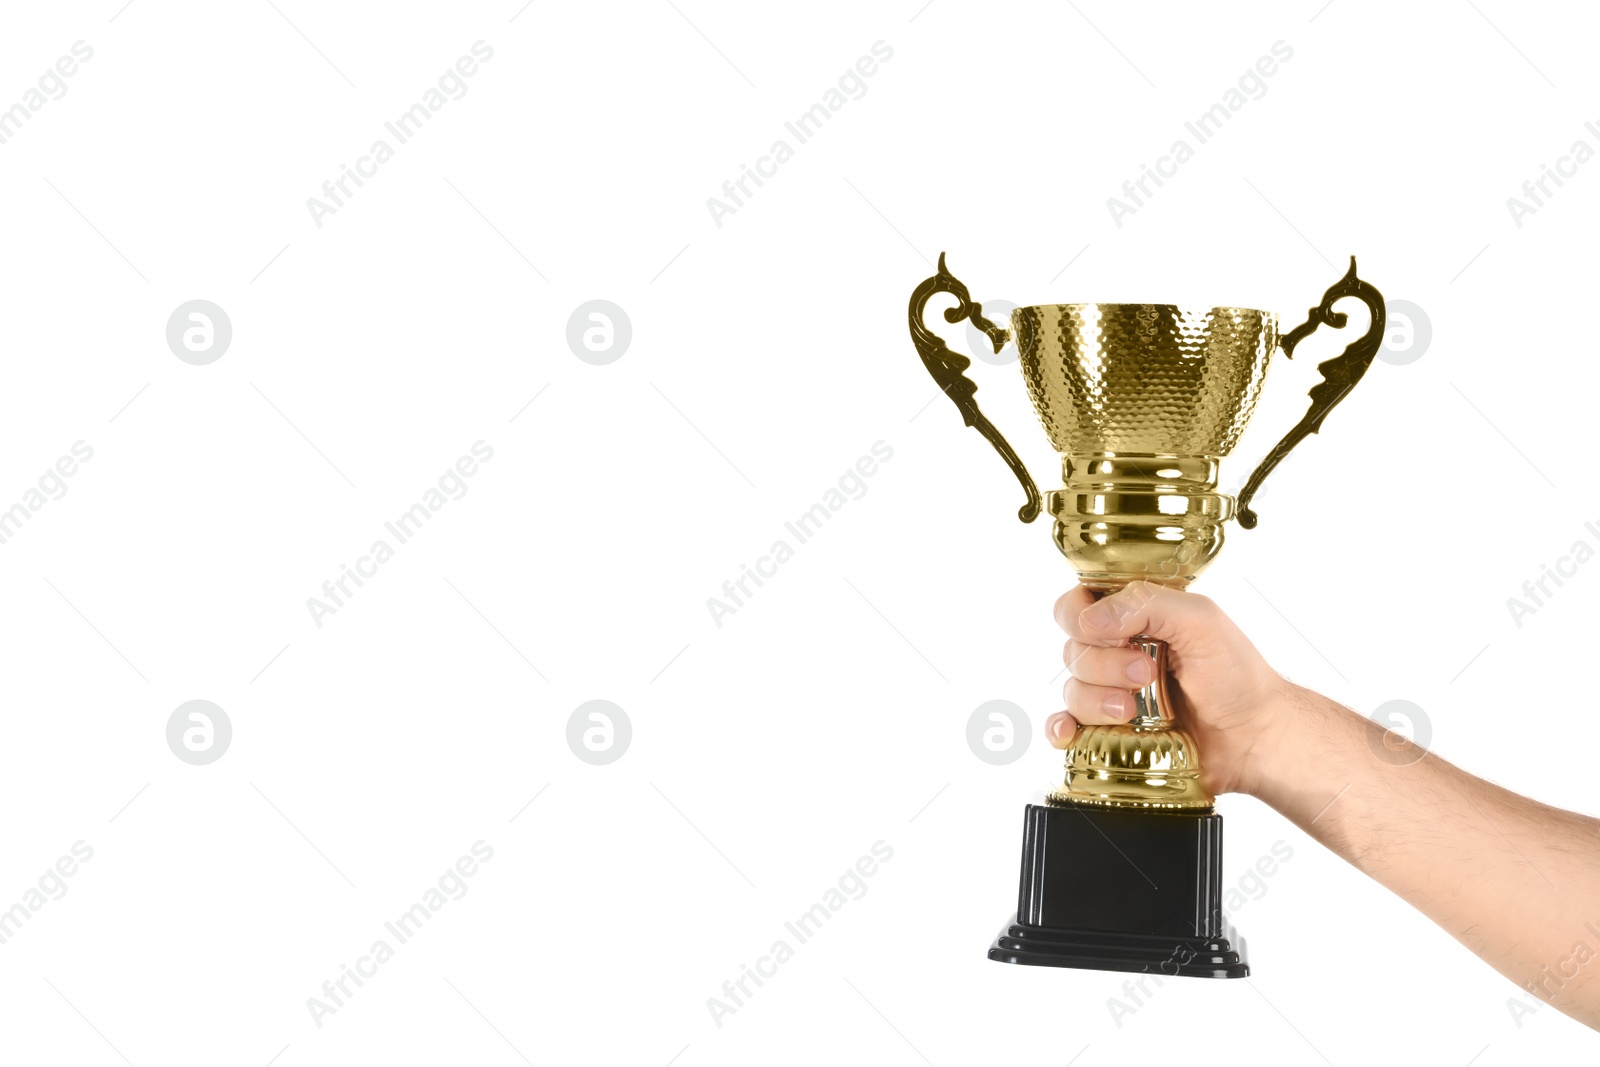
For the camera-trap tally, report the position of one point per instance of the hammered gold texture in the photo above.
(1147, 378)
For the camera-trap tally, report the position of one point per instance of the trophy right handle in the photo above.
(946, 367)
(1339, 374)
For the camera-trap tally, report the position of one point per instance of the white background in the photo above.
(768, 354)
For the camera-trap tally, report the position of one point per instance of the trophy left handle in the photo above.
(1339, 374)
(947, 369)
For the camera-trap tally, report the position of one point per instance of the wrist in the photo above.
(1294, 723)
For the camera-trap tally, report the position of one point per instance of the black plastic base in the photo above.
(1188, 957)
(1120, 890)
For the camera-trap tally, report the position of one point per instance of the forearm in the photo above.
(1514, 880)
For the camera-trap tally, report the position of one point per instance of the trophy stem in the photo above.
(1151, 708)
(1147, 762)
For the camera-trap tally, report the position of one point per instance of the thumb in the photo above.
(1142, 608)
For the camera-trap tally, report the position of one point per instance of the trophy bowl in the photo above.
(1141, 401)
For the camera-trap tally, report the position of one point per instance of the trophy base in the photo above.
(1122, 890)
(1192, 957)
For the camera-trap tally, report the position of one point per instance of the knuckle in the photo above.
(1073, 630)
(1087, 664)
(1085, 702)
(1142, 591)
(1064, 610)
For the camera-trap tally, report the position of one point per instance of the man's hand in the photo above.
(1513, 880)
(1224, 692)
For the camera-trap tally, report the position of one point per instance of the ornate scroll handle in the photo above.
(1339, 374)
(947, 367)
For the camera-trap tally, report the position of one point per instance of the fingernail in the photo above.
(1054, 727)
(1097, 616)
(1138, 671)
(1116, 705)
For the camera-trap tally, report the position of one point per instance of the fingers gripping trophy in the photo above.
(1122, 862)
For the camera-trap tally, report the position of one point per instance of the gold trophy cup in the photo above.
(1141, 401)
